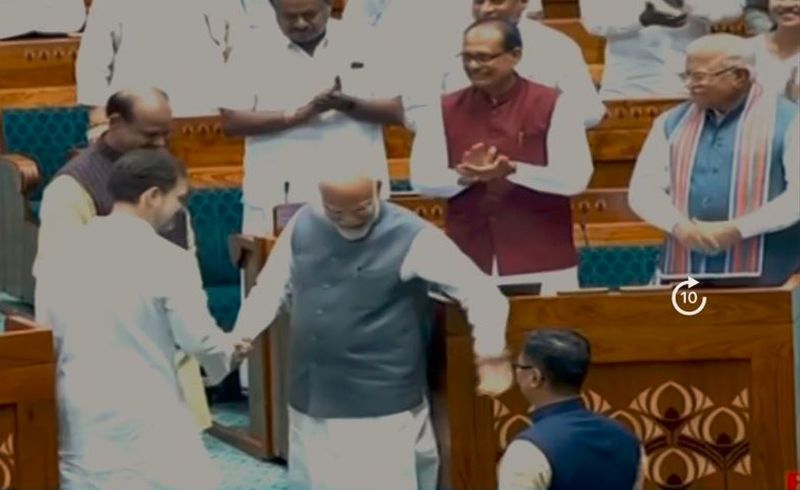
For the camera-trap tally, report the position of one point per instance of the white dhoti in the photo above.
(394, 452)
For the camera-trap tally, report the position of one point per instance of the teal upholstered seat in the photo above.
(216, 215)
(47, 135)
(613, 267)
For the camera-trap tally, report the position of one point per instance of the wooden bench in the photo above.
(28, 418)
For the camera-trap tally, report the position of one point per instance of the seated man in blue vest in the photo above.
(720, 174)
(568, 447)
(354, 272)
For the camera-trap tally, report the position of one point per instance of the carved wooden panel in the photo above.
(37, 63)
(432, 210)
(201, 142)
(713, 396)
(693, 419)
(27, 390)
(7, 444)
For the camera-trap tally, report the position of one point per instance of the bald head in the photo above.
(127, 102)
(138, 118)
(351, 203)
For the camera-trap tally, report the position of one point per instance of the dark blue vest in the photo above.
(585, 450)
(710, 189)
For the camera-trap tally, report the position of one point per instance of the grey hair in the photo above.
(737, 51)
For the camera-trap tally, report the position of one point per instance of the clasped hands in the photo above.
(329, 99)
(241, 349)
(709, 238)
(482, 164)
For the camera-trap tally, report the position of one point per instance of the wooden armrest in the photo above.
(28, 171)
(241, 247)
(20, 323)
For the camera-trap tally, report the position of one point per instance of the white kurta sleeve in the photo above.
(434, 258)
(620, 21)
(523, 467)
(649, 191)
(639, 485)
(569, 165)
(94, 68)
(715, 10)
(576, 82)
(193, 328)
(265, 300)
(784, 210)
(430, 173)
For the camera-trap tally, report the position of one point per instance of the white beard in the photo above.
(354, 234)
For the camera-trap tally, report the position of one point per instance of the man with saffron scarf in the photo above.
(721, 173)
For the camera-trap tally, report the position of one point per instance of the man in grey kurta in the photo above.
(354, 272)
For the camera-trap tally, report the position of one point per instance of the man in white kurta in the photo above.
(179, 46)
(354, 271)
(19, 17)
(119, 299)
(307, 88)
(646, 42)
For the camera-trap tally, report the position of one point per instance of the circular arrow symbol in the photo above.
(690, 298)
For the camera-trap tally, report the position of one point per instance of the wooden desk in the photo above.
(713, 396)
(28, 419)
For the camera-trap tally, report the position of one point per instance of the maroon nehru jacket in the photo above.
(527, 231)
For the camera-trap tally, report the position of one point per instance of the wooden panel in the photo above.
(554, 9)
(8, 463)
(38, 97)
(34, 63)
(202, 142)
(711, 396)
(27, 389)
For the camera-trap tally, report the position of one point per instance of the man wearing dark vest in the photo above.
(354, 272)
(567, 446)
(516, 151)
(79, 191)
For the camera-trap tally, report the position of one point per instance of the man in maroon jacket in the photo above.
(516, 151)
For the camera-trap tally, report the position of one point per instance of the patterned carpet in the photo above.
(240, 471)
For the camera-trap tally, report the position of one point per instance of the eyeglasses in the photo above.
(700, 77)
(521, 366)
(480, 58)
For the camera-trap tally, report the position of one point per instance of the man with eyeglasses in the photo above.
(720, 174)
(568, 447)
(516, 150)
(551, 58)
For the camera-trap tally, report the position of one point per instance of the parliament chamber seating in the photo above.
(42, 139)
(48, 135)
(735, 419)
